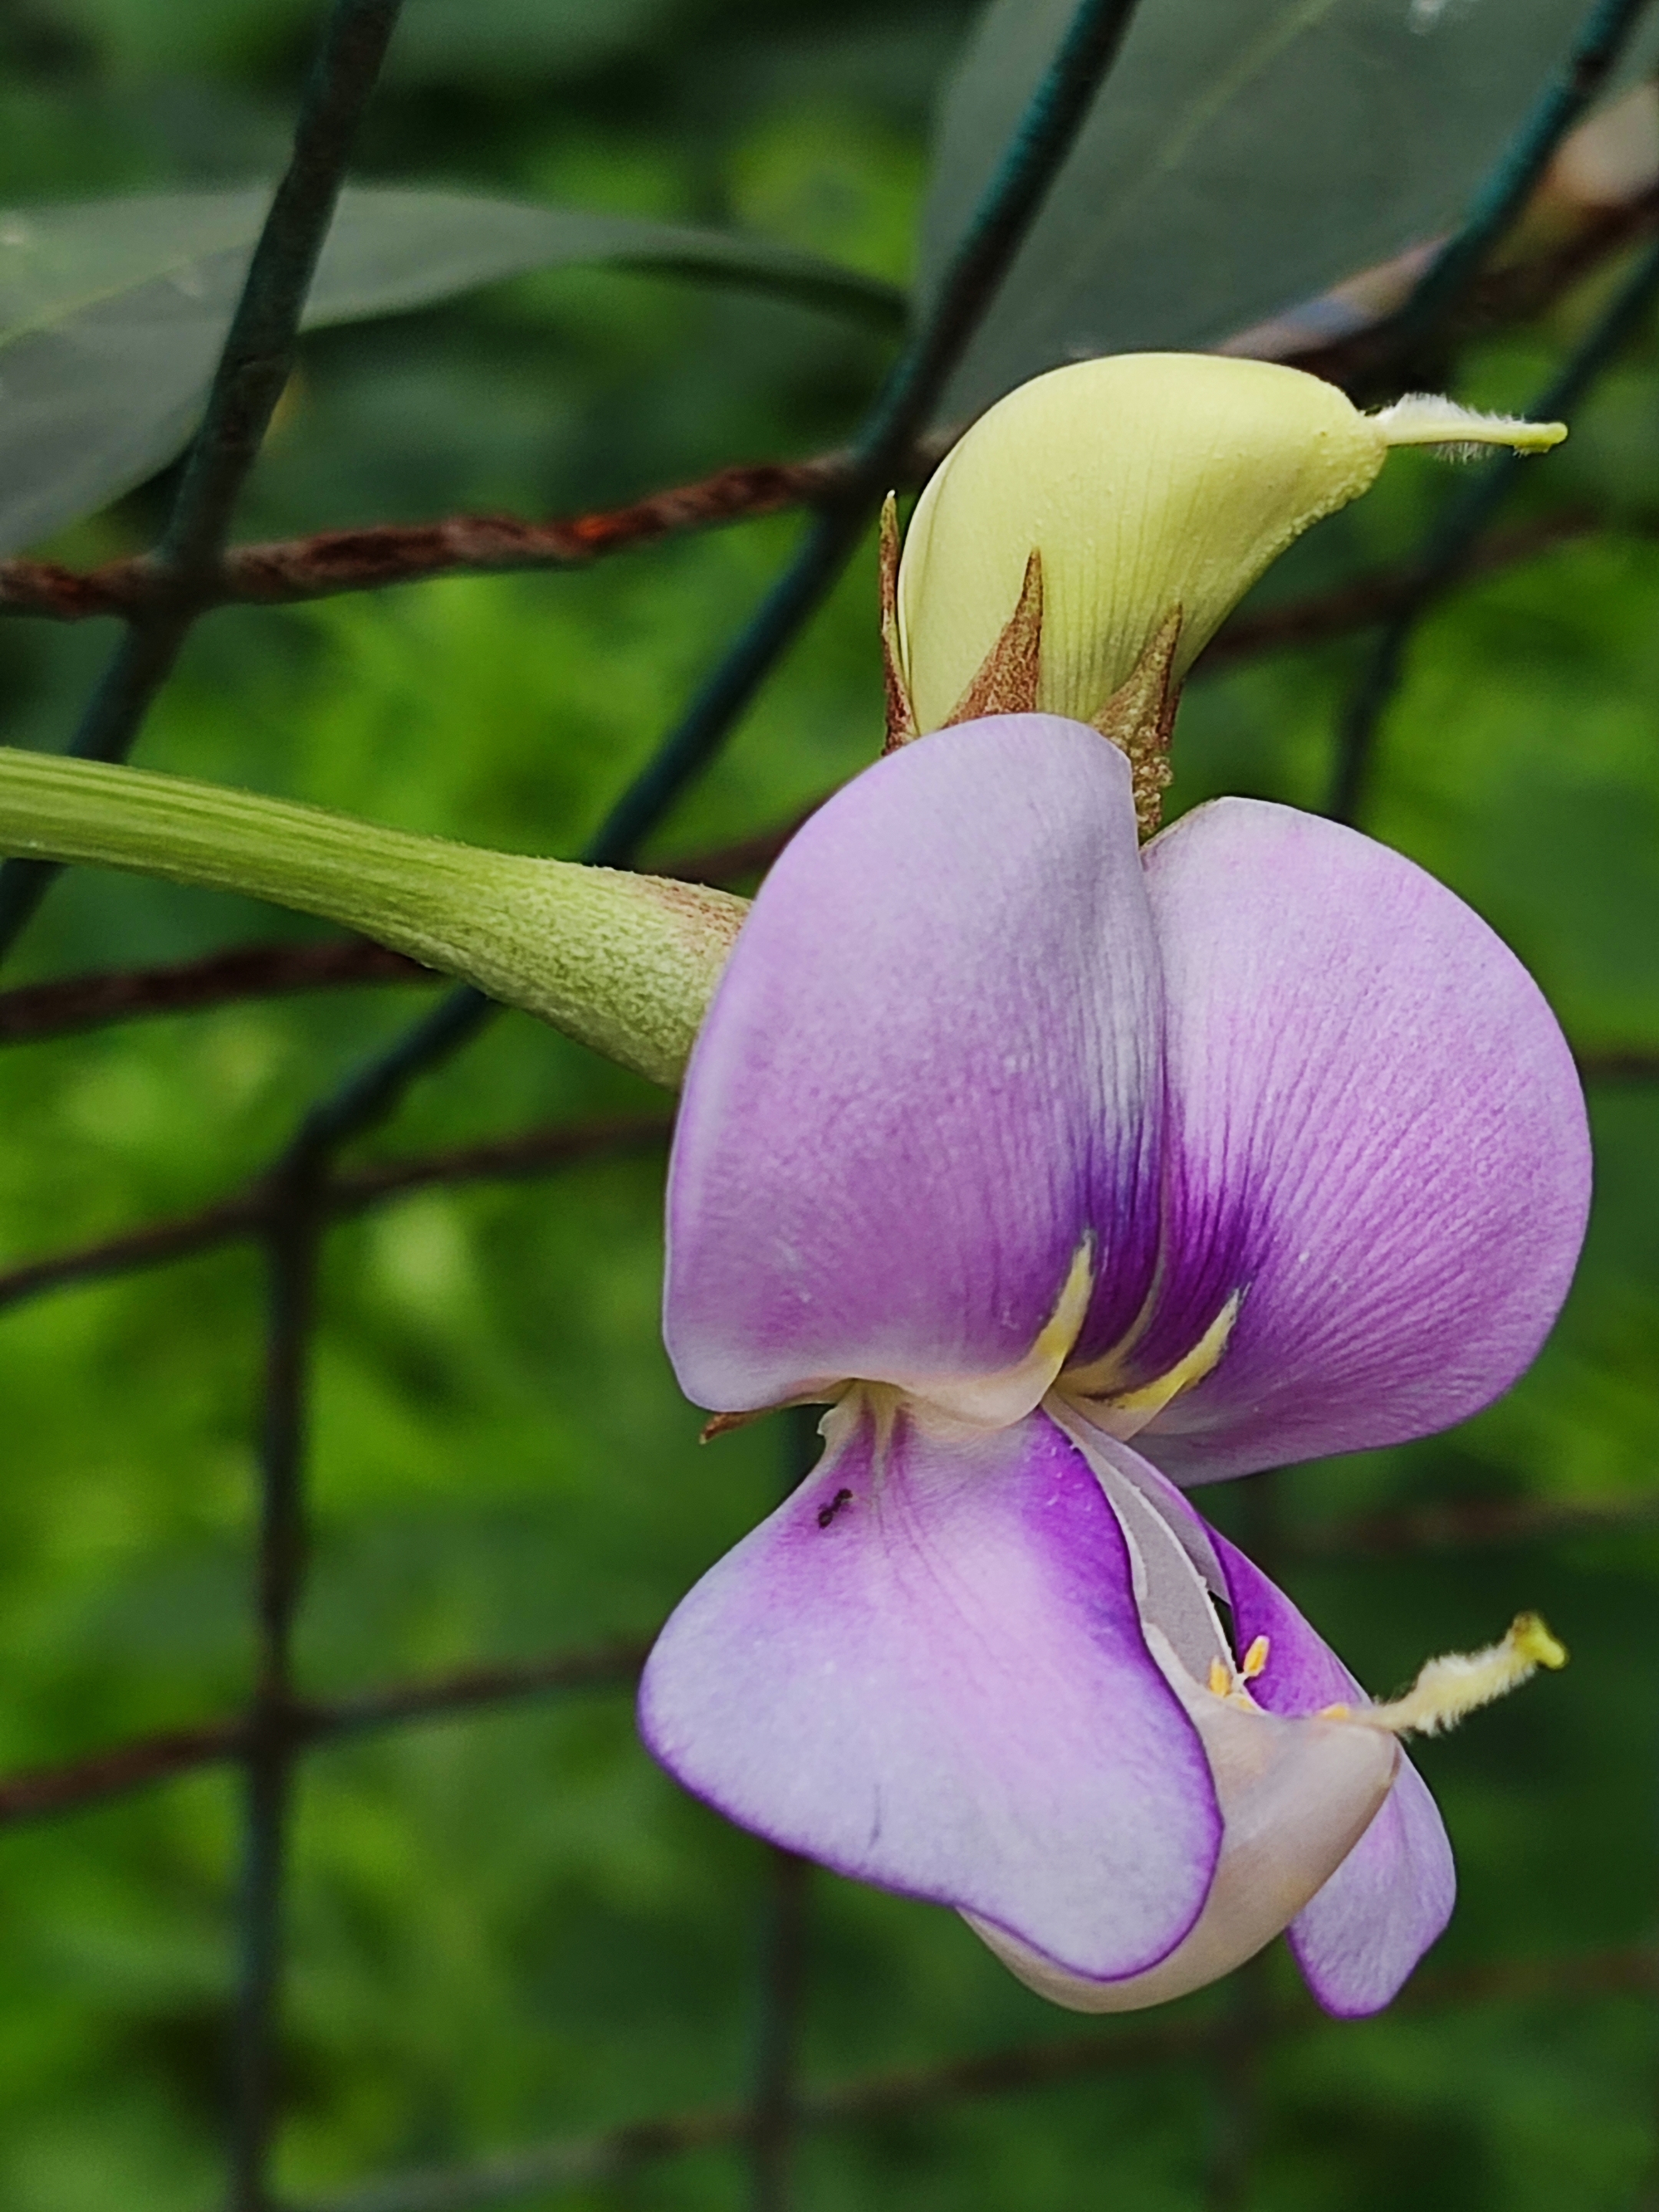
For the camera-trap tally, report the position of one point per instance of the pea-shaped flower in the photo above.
(1072, 1175)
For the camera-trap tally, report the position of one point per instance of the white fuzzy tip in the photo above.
(1460, 433)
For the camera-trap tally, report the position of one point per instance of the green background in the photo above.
(513, 1928)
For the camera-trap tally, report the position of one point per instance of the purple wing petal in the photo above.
(1297, 1792)
(1377, 1135)
(927, 1669)
(1360, 1935)
(1294, 1796)
(933, 1065)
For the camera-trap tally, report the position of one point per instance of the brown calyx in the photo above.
(721, 1424)
(1006, 682)
(901, 714)
(1138, 719)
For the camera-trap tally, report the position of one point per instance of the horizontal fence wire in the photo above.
(529, 1153)
(369, 559)
(160, 595)
(66, 1004)
(255, 971)
(168, 1754)
(376, 557)
(141, 1762)
(911, 2092)
(251, 1212)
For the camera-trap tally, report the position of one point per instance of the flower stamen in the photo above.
(1461, 1682)
(1458, 433)
(1224, 1682)
(1124, 1413)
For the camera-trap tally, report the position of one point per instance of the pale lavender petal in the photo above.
(926, 1670)
(1360, 1935)
(1377, 1135)
(932, 1067)
(1297, 1792)
(1296, 1796)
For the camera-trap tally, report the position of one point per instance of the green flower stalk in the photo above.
(626, 963)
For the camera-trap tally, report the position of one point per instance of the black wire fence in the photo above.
(290, 1207)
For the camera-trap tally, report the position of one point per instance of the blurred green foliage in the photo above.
(514, 1927)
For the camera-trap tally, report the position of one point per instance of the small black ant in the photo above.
(827, 1513)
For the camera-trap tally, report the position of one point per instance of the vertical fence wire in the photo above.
(782, 1987)
(782, 1978)
(253, 366)
(1040, 145)
(1043, 140)
(1235, 2087)
(1046, 133)
(273, 1741)
(1465, 517)
(1585, 71)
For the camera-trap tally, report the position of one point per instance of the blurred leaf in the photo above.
(1239, 160)
(111, 313)
(497, 43)
(393, 249)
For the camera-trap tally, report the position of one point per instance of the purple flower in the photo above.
(1073, 1174)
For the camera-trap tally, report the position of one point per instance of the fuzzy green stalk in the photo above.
(626, 963)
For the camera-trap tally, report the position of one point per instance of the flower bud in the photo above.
(1145, 483)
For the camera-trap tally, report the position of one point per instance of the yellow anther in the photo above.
(1224, 1682)
(1461, 1681)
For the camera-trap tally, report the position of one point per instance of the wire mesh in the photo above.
(289, 1209)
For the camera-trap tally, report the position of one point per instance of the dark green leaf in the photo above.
(1240, 159)
(111, 313)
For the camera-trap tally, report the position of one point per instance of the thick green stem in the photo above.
(627, 963)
